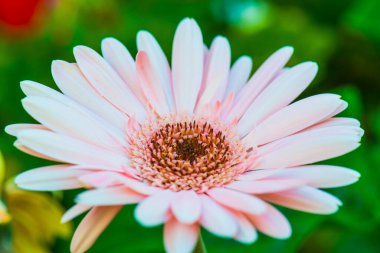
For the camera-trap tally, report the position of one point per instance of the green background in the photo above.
(343, 36)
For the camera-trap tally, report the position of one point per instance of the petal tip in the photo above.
(10, 130)
(110, 40)
(288, 49)
(80, 50)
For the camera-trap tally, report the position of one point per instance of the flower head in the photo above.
(194, 144)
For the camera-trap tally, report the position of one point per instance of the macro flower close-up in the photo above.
(195, 141)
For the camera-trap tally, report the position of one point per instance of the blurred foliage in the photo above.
(31, 221)
(4, 214)
(343, 36)
(35, 221)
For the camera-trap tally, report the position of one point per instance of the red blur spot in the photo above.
(18, 12)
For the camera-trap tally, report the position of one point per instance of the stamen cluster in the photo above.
(187, 154)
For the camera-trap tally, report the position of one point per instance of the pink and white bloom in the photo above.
(195, 143)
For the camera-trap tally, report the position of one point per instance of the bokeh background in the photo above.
(343, 36)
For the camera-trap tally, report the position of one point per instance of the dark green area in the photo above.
(342, 36)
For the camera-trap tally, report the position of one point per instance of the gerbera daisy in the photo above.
(195, 144)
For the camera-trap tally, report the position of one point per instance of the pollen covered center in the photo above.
(187, 154)
(189, 149)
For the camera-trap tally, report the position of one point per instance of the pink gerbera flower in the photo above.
(195, 144)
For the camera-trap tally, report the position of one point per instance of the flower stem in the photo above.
(200, 247)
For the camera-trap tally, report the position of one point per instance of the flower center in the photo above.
(189, 150)
(187, 154)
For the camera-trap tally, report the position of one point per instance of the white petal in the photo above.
(33, 89)
(67, 149)
(257, 174)
(74, 211)
(294, 118)
(106, 81)
(50, 178)
(32, 152)
(306, 199)
(136, 185)
(15, 129)
(98, 179)
(309, 147)
(160, 66)
(247, 233)
(187, 64)
(216, 219)
(239, 74)
(237, 200)
(73, 84)
(186, 207)
(272, 223)
(118, 56)
(260, 79)
(216, 78)
(153, 210)
(153, 90)
(70, 120)
(282, 91)
(265, 186)
(338, 121)
(110, 196)
(179, 237)
(321, 176)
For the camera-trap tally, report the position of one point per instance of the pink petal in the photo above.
(107, 82)
(153, 210)
(74, 211)
(94, 168)
(15, 129)
(216, 77)
(321, 176)
(216, 219)
(110, 196)
(179, 237)
(91, 227)
(118, 56)
(279, 93)
(338, 121)
(152, 89)
(309, 147)
(71, 119)
(50, 178)
(239, 74)
(136, 185)
(257, 174)
(247, 233)
(160, 66)
(74, 85)
(305, 199)
(237, 200)
(227, 104)
(294, 118)
(99, 179)
(187, 64)
(186, 207)
(70, 150)
(272, 223)
(265, 186)
(29, 151)
(259, 81)
(31, 88)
